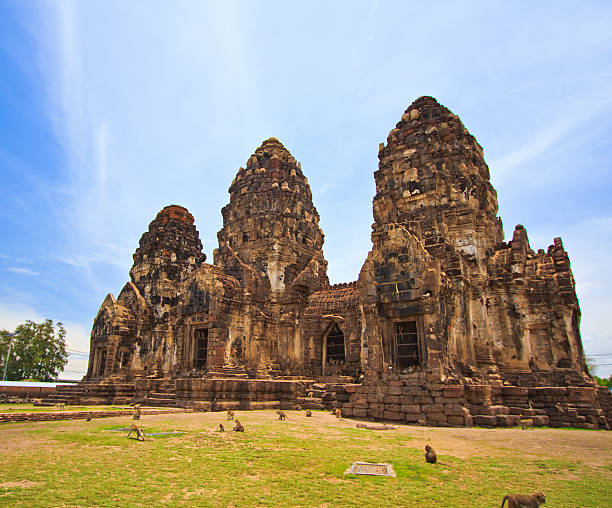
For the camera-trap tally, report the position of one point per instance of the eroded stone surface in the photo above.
(441, 302)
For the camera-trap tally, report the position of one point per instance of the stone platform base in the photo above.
(414, 399)
(417, 398)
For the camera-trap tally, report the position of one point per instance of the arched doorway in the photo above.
(334, 357)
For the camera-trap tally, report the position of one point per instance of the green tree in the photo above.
(36, 351)
(604, 381)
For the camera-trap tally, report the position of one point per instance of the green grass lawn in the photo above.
(299, 462)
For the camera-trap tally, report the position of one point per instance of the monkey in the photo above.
(221, 428)
(430, 455)
(60, 406)
(140, 436)
(524, 500)
(308, 413)
(238, 427)
(281, 415)
(88, 419)
(338, 413)
(136, 413)
(559, 408)
(298, 407)
(230, 414)
(422, 422)
(526, 423)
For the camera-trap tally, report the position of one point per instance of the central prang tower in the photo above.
(272, 226)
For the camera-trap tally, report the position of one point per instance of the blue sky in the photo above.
(111, 110)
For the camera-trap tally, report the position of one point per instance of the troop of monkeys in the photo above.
(514, 500)
(238, 427)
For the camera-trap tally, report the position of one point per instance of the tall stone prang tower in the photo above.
(271, 224)
(435, 264)
(168, 251)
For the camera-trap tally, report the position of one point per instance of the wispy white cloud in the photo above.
(161, 104)
(22, 270)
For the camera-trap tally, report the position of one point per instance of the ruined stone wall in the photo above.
(532, 297)
(422, 398)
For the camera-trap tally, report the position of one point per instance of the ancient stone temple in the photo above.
(446, 323)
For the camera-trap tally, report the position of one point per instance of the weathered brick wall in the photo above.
(419, 398)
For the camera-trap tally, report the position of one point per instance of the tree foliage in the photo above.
(38, 351)
(604, 381)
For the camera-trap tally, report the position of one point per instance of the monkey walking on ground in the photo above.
(230, 414)
(526, 423)
(140, 436)
(524, 500)
(221, 428)
(430, 455)
(238, 427)
(308, 413)
(281, 415)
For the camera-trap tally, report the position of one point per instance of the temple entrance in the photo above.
(335, 345)
(334, 352)
(201, 348)
(406, 344)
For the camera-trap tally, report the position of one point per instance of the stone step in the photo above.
(310, 402)
(316, 393)
(159, 395)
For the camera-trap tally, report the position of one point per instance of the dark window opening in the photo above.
(124, 356)
(102, 363)
(201, 341)
(406, 344)
(335, 345)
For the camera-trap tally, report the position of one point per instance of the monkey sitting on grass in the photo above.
(430, 455)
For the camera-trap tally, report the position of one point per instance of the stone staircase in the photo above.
(315, 398)
(163, 396)
(229, 371)
(269, 370)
